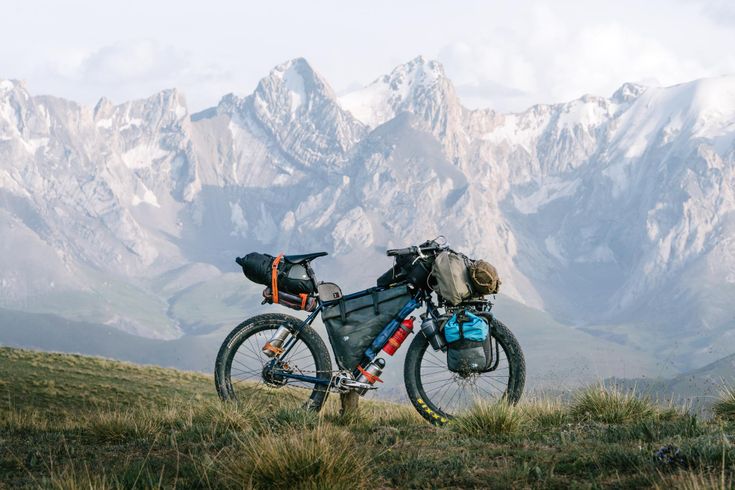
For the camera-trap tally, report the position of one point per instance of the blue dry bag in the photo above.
(468, 341)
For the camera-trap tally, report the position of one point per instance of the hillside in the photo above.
(697, 388)
(69, 421)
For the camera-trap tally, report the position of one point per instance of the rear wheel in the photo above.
(244, 372)
(439, 394)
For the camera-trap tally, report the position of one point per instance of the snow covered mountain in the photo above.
(615, 215)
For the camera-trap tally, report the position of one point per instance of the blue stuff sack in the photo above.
(468, 343)
(465, 326)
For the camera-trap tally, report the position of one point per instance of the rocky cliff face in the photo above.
(613, 214)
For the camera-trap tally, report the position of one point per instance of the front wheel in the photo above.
(439, 394)
(243, 372)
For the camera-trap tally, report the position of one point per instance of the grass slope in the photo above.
(69, 421)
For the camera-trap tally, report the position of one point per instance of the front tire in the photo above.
(439, 395)
(241, 368)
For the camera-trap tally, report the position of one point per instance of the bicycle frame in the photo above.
(417, 299)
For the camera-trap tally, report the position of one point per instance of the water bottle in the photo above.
(431, 331)
(370, 373)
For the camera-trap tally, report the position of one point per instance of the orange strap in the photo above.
(304, 297)
(370, 377)
(274, 277)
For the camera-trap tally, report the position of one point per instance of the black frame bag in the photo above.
(353, 324)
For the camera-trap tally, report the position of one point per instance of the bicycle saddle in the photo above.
(298, 259)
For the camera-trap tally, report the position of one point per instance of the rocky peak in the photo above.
(299, 108)
(628, 92)
(420, 87)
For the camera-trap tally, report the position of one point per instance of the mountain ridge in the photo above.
(591, 209)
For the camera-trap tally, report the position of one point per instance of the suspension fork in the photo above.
(291, 342)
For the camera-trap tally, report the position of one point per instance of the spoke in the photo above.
(438, 381)
(491, 383)
(438, 403)
(244, 365)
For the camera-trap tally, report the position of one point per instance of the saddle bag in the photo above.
(278, 273)
(469, 348)
(353, 324)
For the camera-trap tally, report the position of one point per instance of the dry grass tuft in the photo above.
(484, 419)
(690, 480)
(545, 413)
(611, 406)
(724, 407)
(325, 457)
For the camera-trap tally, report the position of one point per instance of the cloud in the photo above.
(136, 68)
(721, 11)
(133, 61)
(549, 58)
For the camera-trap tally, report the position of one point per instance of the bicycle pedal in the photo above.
(344, 383)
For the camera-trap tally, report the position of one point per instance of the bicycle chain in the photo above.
(333, 376)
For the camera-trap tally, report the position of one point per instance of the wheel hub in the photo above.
(273, 373)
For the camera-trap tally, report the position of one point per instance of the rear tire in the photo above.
(430, 400)
(242, 347)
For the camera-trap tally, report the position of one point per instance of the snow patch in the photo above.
(104, 123)
(239, 223)
(133, 122)
(352, 231)
(550, 190)
(33, 144)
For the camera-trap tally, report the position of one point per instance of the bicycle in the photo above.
(278, 354)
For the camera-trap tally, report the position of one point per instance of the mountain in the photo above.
(613, 215)
(697, 389)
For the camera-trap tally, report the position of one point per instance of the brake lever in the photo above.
(421, 255)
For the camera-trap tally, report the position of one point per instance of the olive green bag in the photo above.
(451, 274)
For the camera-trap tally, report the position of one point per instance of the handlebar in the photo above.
(401, 251)
(414, 250)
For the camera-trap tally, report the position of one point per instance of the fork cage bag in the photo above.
(353, 324)
(469, 347)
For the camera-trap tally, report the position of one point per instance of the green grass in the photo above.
(80, 422)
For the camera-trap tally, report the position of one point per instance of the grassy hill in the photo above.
(69, 421)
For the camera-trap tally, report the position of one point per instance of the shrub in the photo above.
(484, 419)
(326, 457)
(724, 407)
(610, 405)
(120, 426)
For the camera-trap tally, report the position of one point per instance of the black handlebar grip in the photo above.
(400, 251)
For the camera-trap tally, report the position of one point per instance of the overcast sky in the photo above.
(503, 55)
